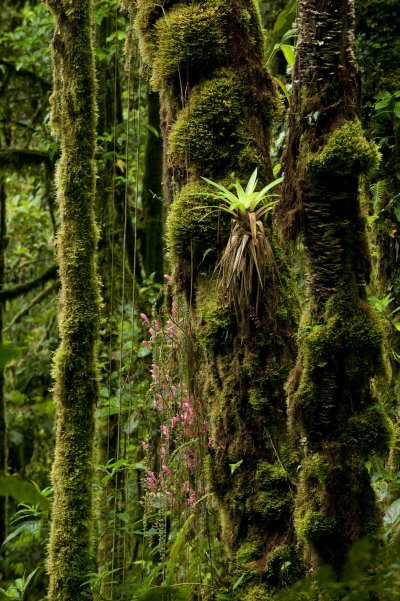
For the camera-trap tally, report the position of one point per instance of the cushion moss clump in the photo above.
(194, 226)
(206, 129)
(189, 39)
(273, 498)
(314, 527)
(372, 430)
(347, 152)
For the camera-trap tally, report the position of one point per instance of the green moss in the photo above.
(75, 368)
(315, 527)
(193, 230)
(256, 593)
(189, 38)
(274, 498)
(248, 552)
(371, 430)
(218, 323)
(206, 129)
(347, 152)
(282, 565)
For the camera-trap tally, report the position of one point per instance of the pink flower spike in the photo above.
(185, 487)
(145, 318)
(144, 445)
(167, 277)
(166, 470)
(152, 334)
(147, 345)
(157, 325)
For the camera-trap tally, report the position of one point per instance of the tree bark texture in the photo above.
(332, 409)
(75, 370)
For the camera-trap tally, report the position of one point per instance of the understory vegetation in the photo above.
(199, 300)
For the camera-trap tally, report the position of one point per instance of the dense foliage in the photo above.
(201, 486)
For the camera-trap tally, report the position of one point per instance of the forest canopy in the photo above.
(199, 300)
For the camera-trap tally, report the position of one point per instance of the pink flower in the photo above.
(167, 277)
(152, 334)
(145, 318)
(151, 481)
(192, 497)
(174, 421)
(144, 445)
(166, 469)
(170, 497)
(146, 344)
(185, 487)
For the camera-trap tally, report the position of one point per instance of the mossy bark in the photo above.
(378, 54)
(217, 105)
(75, 370)
(332, 408)
(3, 421)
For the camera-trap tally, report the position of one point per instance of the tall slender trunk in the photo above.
(75, 370)
(333, 411)
(217, 104)
(3, 422)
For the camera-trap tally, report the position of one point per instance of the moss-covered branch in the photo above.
(16, 291)
(21, 158)
(75, 369)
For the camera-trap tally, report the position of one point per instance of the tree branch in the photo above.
(16, 291)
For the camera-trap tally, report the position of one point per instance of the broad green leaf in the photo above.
(289, 53)
(22, 491)
(8, 352)
(392, 513)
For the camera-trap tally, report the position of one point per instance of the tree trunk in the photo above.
(3, 421)
(378, 53)
(332, 409)
(75, 370)
(217, 104)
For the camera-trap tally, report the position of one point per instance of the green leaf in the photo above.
(392, 513)
(276, 170)
(173, 556)
(382, 104)
(235, 466)
(22, 491)
(396, 109)
(289, 53)
(8, 352)
(397, 325)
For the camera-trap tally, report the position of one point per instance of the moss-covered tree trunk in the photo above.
(332, 408)
(217, 105)
(74, 116)
(3, 422)
(378, 54)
